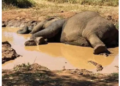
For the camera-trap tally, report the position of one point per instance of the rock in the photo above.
(30, 42)
(36, 66)
(78, 71)
(10, 23)
(99, 67)
(8, 53)
(3, 24)
(6, 44)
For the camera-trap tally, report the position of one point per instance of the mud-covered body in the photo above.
(83, 29)
(86, 24)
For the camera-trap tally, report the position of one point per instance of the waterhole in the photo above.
(57, 56)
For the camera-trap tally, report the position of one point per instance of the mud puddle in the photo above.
(57, 56)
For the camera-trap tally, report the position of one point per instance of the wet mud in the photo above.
(57, 56)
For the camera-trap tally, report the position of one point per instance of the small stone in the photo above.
(3, 25)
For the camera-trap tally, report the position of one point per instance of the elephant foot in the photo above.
(30, 42)
(100, 49)
(40, 40)
(106, 53)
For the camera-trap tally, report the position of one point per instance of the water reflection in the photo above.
(54, 55)
(77, 56)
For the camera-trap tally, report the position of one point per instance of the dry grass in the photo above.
(89, 2)
(45, 9)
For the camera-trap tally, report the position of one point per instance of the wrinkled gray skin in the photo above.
(25, 30)
(31, 28)
(44, 24)
(83, 29)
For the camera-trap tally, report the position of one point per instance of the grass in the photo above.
(117, 25)
(89, 2)
(22, 67)
(45, 8)
(9, 4)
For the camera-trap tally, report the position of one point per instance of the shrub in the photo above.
(18, 3)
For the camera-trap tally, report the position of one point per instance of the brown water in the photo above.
(55, 56)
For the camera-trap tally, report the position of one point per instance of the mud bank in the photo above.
(8, 53)
(19, 23)
(37, 75)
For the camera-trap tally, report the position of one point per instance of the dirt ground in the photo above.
(37, 75)
(45, 9)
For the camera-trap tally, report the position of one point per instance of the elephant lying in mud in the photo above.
(42, 25)
(83, 29)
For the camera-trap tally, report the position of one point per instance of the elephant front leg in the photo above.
(97, 44)
(37, 41)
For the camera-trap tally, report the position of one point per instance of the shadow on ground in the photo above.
(36, 75)
(18, 3)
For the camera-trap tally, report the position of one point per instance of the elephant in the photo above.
(86, 28)
(31, 28)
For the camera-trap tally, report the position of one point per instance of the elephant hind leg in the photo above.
(97, 44)
(80, 42)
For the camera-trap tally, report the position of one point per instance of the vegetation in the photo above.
(37, 75)
(17, 3)
(89, 2)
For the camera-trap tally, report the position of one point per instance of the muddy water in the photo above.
(57, 56)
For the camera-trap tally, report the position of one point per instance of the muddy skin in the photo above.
(30, 43)
(33, 26)
(98, 34)
(41, 40)
(26, 29)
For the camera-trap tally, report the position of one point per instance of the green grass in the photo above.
(89, 2)
(22, 67)
(17, 3)
(117, 25)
